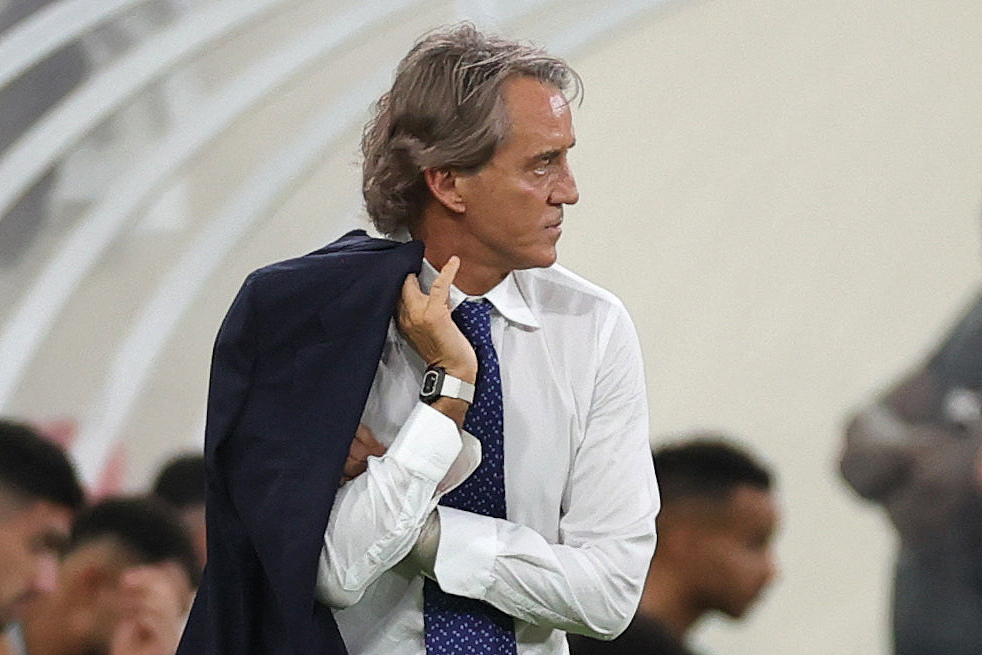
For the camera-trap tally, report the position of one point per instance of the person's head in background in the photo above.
(181, 484)
(718, 516)
(129, 560)
(39, 495)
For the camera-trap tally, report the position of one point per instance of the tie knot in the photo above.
(473, 317)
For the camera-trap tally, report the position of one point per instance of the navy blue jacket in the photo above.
(291, 370)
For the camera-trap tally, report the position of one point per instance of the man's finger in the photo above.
(353, 467)
(410, 289)
(362, 447)
(440, 291)
(369, 444)
(411, 301)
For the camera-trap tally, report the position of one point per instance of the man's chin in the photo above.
(740, 611)
(543, 260)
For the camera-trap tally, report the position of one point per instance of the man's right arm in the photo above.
(377, 516)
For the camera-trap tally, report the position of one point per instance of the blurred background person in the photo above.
(915, 451)
(39, 494)
(181, 484)
(714, 553)
(124, 588)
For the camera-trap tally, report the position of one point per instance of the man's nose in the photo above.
(565, 191)
(773, 568)
(46, 575)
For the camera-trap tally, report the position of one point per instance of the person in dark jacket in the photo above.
(915, 451)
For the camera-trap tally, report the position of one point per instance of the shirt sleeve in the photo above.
(378, 515)
(590, 582)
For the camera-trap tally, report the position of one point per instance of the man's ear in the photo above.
(442, 183)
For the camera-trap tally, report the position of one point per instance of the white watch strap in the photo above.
(456, 388)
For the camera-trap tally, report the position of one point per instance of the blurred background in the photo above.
(786, 195)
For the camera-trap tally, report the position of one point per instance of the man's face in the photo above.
(514, 205)
(32, 536)
(735, 556)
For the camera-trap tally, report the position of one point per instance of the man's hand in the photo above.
(155, 602)
(878, 452)
(426, 323)
(363, 445)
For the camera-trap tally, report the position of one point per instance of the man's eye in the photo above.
(55, 544)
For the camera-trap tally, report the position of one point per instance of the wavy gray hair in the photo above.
(444, 110)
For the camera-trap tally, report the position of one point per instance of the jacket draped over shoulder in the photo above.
(291, 370)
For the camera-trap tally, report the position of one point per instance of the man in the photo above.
(714, 551)
(181, 484)
(547, 498)
(124, 588)
(39, 494)
(915, 451)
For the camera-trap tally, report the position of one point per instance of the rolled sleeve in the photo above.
(377, 516)
(465, 557)
(427, 444)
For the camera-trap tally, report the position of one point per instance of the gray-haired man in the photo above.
(468, 154)
(499, 491)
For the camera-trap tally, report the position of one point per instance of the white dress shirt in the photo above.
(579, 482)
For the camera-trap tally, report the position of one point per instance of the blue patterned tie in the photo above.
(454, 624)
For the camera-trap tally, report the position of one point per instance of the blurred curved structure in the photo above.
(214, 44)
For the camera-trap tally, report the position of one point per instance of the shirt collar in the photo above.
(506, 297)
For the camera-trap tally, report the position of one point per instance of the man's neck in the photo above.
(442, 240)
(472, 278)
(667, 600)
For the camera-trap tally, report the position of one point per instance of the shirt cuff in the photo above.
(466, 463)
(466, 554)
(427, 444)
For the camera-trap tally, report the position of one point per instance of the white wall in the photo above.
(785, 194)
(788, 197)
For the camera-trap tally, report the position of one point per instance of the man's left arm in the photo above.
(591, 581)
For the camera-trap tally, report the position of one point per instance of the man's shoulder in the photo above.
(557, 287)
(354, 248)
(354, 256)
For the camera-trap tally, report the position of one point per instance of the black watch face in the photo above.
(431, 380)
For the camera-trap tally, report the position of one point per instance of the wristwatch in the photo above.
(436, 384)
